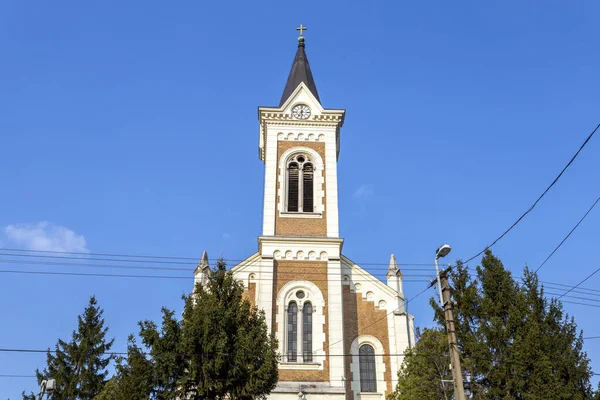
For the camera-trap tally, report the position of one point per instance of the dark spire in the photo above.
(300, 73)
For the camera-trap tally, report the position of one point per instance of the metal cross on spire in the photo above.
(301, 28)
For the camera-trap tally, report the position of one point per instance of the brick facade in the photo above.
(300, 226)
(315, 272)
(250, 293)
(362, 318)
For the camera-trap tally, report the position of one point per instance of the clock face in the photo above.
(301, 111)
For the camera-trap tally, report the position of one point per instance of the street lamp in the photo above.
(441, 252)
(47, 386)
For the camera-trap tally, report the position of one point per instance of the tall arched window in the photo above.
(307, 188)
(368, 377)
(292, 339)
(307, 336)
(300, 184)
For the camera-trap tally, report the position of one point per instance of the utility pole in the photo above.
(459, 390)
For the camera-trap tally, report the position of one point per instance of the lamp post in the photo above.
(446, 302)
(441, 252)
(47, 386)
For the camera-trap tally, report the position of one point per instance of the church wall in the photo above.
(250, 293)
(300, 226)
(362, 318)
(315, 272)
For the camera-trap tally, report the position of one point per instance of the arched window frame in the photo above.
(314, 297)
(314, 159)
(292, 332)
(307, 331)
(367, 368)
(300, 185)
(380, 366)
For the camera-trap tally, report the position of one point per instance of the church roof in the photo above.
(300, 73)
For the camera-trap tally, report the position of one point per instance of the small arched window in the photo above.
(292, 339)
(368, 377)
(300, 184)
(307, 336)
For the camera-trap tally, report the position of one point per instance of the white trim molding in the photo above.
(313, 295)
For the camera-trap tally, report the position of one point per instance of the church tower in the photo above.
(299, 144)
(341, 331)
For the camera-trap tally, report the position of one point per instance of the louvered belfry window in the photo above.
(368, 377)
(292, 342)
(300, 184)
(307, 188)
(293, 189)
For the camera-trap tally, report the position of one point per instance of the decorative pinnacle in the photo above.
(393, 269)
(203, 264)
(204, 260)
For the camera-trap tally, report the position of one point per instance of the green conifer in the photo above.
(79, 366)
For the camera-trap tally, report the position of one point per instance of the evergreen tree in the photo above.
(79, 366)
(426, 366)
(514, 342)
(229, 352)
(219, 349)
(166, 356)
(133, 378)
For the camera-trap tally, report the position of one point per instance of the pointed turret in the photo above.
(202, 271)
(300, 72)
(394, 280)
(393, 269)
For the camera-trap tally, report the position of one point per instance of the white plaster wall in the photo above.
(370, 288)
(265, 293)
(279, 248)
(336, 322)
(270, 183)
(331, 182)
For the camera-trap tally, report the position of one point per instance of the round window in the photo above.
(300, 159)
(300, 294)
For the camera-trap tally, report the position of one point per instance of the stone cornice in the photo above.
(335, 118)
(301, 239)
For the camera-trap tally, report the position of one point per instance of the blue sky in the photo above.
(131, 127)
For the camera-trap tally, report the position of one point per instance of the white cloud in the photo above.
(363, 191)
(45, 236)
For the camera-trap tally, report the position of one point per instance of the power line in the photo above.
(581, 282)
(408, 277)
(91, 274)
(569, 234)
(561, 285)
(406, 301)
(576, 297)
(539, 198)
(121, 353)
(188, 269)
(100, 254)
(189, 278)
(581, 304)
(93, 257)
